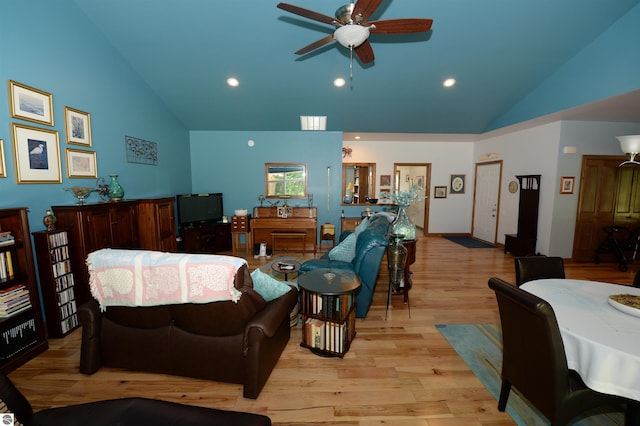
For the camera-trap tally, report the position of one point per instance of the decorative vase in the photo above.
(403, 225)
(396, 260)
(348, 199)
(116, 193)
(49, 220)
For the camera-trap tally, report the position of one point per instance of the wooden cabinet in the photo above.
(349, 223)
(93, 227)
(114, 225)
(524, 242)
(157, 224)
(22, 330)
(328, 310)
(57, 282)
(206, 239)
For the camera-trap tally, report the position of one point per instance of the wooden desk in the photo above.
(303, 220)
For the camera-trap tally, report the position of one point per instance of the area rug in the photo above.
(480, 346)
(468, 242)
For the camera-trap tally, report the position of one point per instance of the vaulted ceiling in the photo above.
(497, 50)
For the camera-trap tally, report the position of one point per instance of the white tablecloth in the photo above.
(601, 343)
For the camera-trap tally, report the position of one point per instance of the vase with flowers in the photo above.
(402, 225)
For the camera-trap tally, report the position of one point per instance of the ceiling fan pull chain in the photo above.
(351, 63)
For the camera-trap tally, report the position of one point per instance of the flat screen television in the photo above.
(199, 209)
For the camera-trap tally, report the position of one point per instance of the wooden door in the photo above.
(98, 228)
(124, 222)
(627, 212)
(598, 202)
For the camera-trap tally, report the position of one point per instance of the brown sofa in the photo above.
(224, 341)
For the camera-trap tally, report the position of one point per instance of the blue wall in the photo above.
(52, 46)
(222, 161)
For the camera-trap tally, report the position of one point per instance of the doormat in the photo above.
(480, 347)
(468, 242)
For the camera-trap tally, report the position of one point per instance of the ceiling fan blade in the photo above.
(308, 13)
(401, 26)
(364, 9)
(319, 43)
(365, 52)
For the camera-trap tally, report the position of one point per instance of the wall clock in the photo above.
(457, 184)
(513, 187)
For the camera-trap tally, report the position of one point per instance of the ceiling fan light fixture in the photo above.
(351, 35)
(630, 145)
(313, 122)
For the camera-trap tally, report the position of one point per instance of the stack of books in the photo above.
(6, 238)
(14, 300)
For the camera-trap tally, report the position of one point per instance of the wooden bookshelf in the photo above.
(22, 330)
(328, 311)
(57, 281)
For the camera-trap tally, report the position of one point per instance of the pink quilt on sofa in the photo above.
(147, 278)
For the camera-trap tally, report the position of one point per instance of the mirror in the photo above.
(358, 182)
(285, 180)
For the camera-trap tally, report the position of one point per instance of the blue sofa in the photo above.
(370, 247)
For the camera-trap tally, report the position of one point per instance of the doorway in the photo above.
(405, 176)
(486, 203)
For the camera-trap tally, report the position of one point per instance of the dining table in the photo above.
(601, 338)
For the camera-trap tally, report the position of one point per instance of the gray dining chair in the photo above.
(529, 268)
(534, 360)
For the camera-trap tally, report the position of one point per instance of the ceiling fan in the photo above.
(353, 29)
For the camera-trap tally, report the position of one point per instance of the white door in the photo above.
(487, 197)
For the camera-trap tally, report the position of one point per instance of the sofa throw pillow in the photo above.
(346, 250)
(267, 286)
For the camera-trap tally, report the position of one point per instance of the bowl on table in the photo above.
(372, 200)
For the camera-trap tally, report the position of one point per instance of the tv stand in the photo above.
(211, 238)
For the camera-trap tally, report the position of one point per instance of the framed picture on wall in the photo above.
(78, 126)
(566, 184)
(385, 180)
(3, 168)
(457, 184)
(37, 154)
(440, 192)
(81, 164)
(28, 103)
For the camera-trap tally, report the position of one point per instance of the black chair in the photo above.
(122, 412)
(636, 279)
(531, 268)
(534, 360)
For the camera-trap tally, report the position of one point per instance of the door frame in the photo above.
(427, 186)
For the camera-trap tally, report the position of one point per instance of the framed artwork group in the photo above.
(37, 150)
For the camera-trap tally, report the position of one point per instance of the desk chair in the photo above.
(531, 268)
(534, 360)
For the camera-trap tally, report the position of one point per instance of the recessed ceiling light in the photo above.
(449, 82)
(233, 82)
(339, 82)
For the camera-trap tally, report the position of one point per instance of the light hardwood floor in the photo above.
(399, 371)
